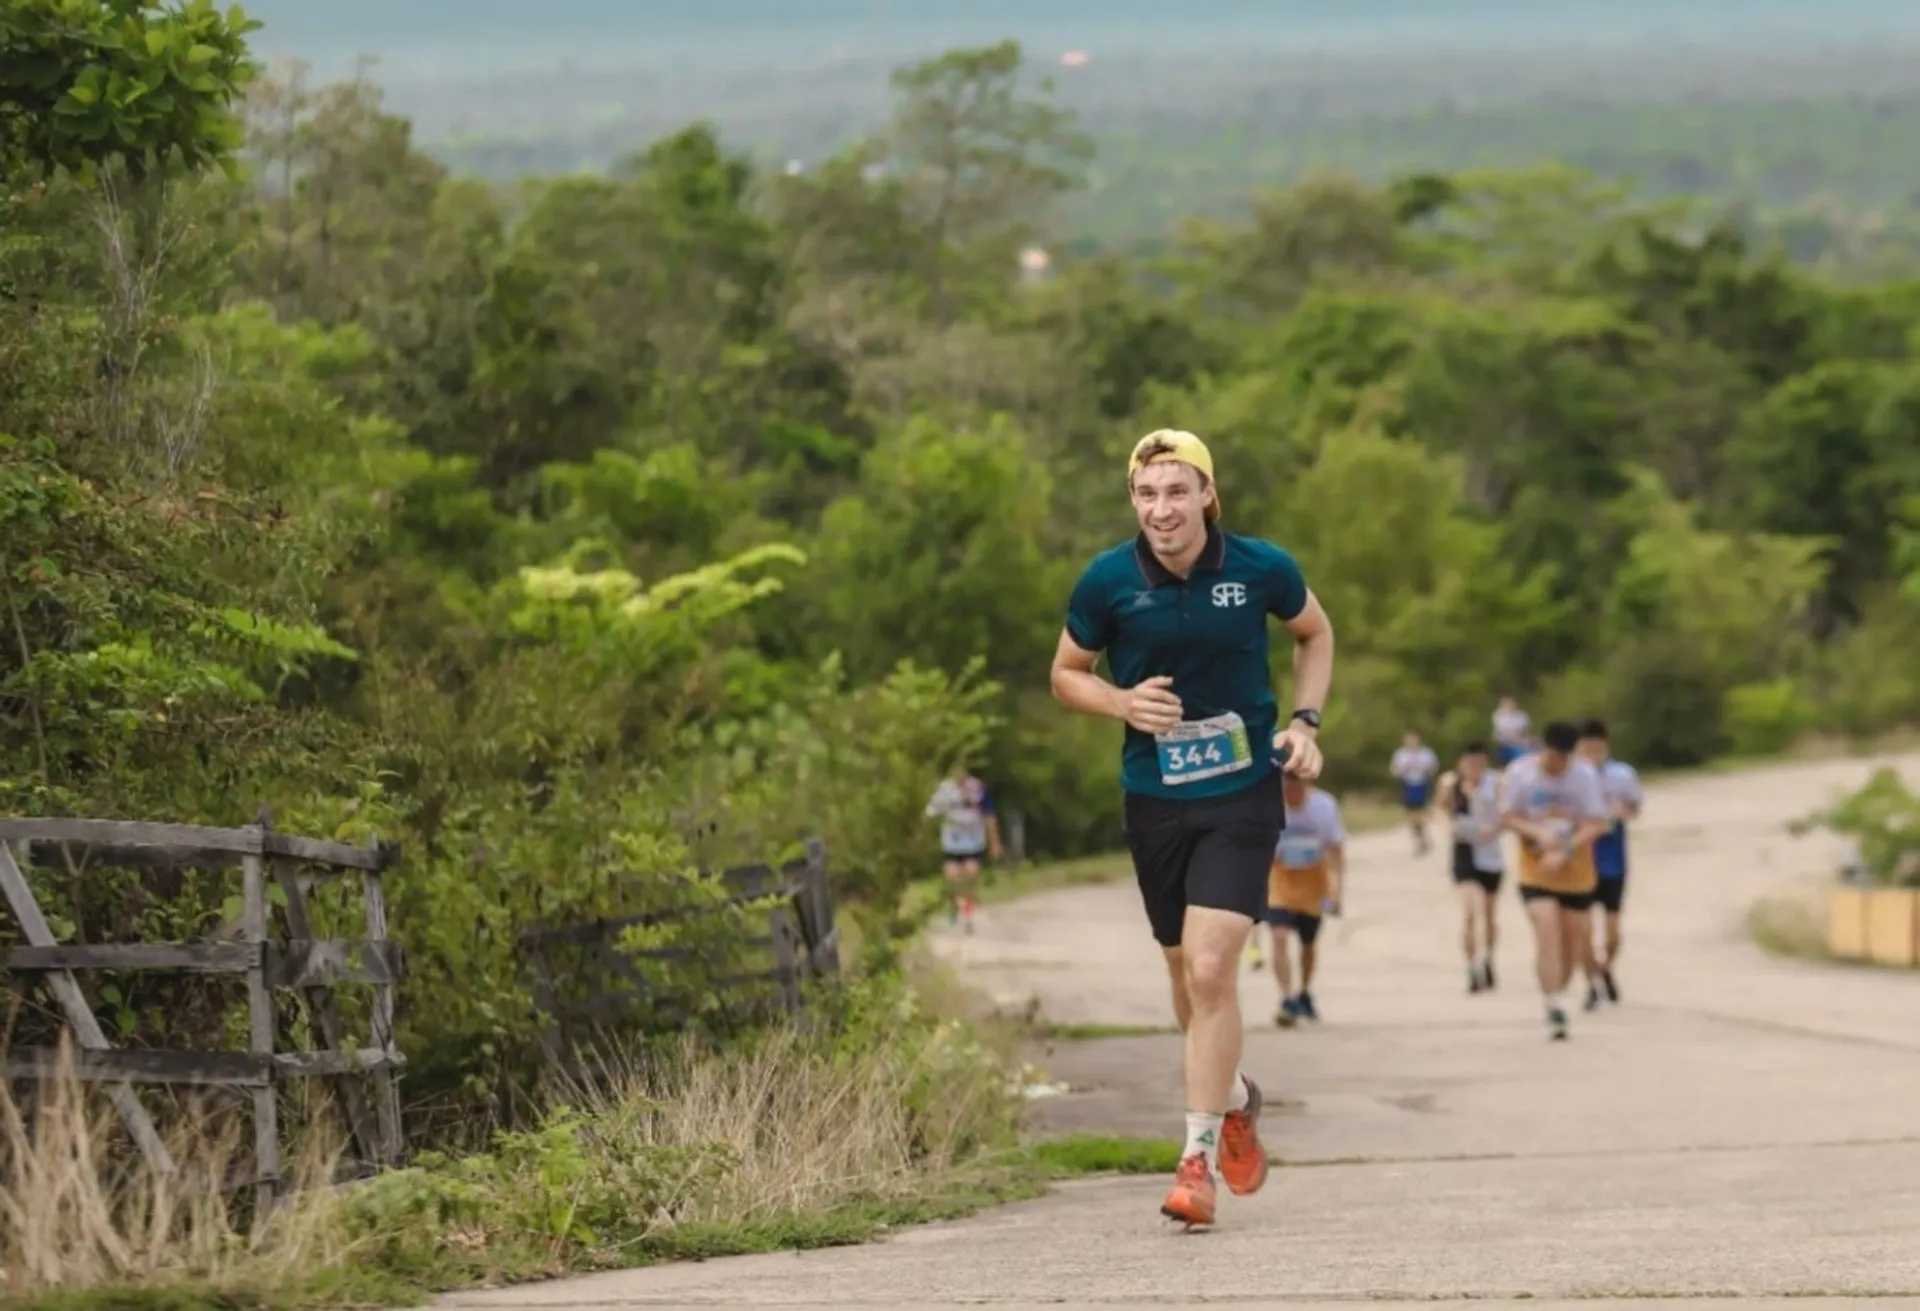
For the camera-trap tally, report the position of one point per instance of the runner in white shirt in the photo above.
(1470, 797)
(1552, 800)
(1620, 786)
(1511, 725)
(1415, 765)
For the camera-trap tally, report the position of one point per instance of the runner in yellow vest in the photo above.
(1553, 802)
(1305, 884)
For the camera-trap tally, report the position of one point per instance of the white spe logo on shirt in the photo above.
(1227, 594)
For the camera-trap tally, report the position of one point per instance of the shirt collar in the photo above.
(1212, 557)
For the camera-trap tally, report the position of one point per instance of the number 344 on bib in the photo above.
(1203, 748)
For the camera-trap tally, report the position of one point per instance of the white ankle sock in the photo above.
(1237, 1099)
(1203, 1136)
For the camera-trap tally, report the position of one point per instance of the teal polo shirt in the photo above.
(1207, 632)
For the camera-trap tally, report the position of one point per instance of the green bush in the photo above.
(1663, 703)
(1763, 718)
(1865, 681)
(1883, 820)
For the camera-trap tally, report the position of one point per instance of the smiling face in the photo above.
(1171, 501)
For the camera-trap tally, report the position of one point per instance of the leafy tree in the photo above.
(139, 83)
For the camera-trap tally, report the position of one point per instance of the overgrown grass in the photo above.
(1790, 925)
(882, 1114)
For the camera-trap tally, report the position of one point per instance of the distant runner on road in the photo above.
(1181, 612)
(1553, 802)
(1306, 884)
(1511, 726)
(1620, 788)
(1470, 796)
(969, 829)
(1415, 766)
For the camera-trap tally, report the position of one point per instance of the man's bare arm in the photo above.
(1150, 707)
(1586, 831)
(1077, 687)
(1538, 834)
(1312, 655)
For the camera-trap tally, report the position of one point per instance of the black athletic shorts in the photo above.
(1307, 926)
(1212, 851)
(1465, 871)
(1567, 900)
(1610, 893)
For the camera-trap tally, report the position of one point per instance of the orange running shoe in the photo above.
(1243, 1161)
(1191, 1201)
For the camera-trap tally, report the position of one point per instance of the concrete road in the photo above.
(1737, 1130)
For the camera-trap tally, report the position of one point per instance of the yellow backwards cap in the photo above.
(1174, 444)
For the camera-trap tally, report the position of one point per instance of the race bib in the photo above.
(1204, 748)
(1298, 851)
(1561, 828)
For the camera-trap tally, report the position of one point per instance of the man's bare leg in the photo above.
(1490, 930)
(1576, 928)
(1177, 976)
(1309, 956)
(1473, 899)
(1282, 961)
(1211, 943)
(1552, 960)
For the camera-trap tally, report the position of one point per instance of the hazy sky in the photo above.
(467, 38)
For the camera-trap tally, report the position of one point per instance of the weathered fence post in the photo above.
(302, 963)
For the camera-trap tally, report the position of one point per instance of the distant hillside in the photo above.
(1804, 113)
(475, 38)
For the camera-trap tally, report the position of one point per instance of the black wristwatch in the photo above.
(1311, 718)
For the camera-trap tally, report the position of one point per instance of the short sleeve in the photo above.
(1634, 791)
(1090, 614)
(1506, 791)
(1592, 797)
(1286, 586)
(1336, 830)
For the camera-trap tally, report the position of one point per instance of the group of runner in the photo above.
(1568, 802)
(1222, 819)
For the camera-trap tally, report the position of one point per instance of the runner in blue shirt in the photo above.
(1180, 611)
(1414, 766)
(1620, 787)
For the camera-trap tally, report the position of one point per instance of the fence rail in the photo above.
(583, 979)
(298, 961)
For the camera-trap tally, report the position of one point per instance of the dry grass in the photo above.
(1790, 925)
(80, 1209)
(795, 1129)
(798, 1138)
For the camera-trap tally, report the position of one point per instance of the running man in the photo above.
(1414, 764)
(1305, 884)
(1511, 725)
(1470, 795)
(1621, 790)
(969, 829)
(1181, 611)
(1552, 801)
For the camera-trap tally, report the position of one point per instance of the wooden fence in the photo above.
(297, 961)
(586, 985)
